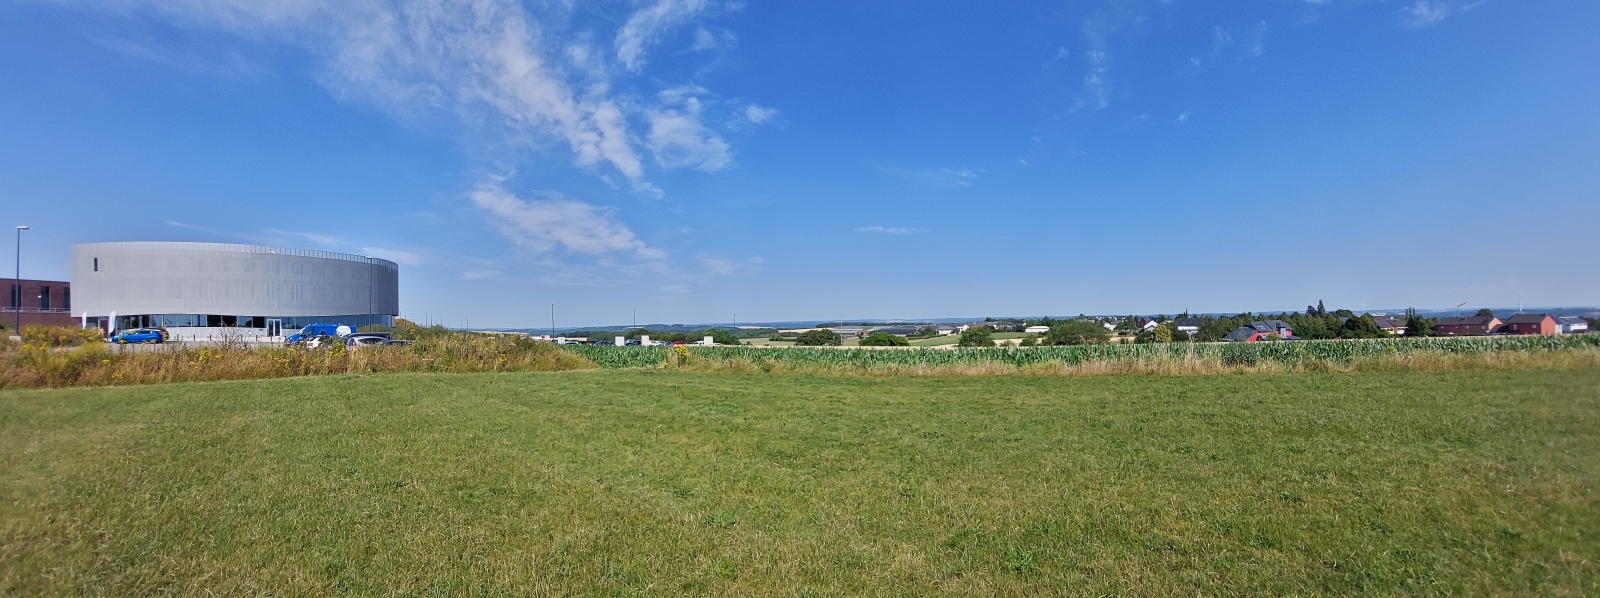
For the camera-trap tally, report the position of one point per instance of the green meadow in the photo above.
(659, 482)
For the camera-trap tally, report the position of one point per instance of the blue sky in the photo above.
(693, 159)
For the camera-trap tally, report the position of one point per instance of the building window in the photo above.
(44, 297)
(96, 264)
(66, 298)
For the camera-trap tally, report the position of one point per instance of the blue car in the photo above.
(140, 335)
(316, 331)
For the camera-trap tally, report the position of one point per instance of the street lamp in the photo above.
(16, 288)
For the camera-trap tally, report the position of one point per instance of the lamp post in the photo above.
(16, 287)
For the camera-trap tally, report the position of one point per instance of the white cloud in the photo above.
(759, 114)
(721, 266)
(324, 240)
(393, 255)
(646, 27)
(888, 230)
(1423, 13)
(1182, 118)
(678, 138)
(947, 177)
(545, 225)
(703, 40)
(491, 61)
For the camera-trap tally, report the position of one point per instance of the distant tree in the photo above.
(976, 336)
(1321, 311)
(1077, 332)
(1485, 312)
(1179, 336)
(1417, 325)
(884, 339)
(1362, 327)
(820, 337)
(1028, 341)
(1163, 334)
(720, 336)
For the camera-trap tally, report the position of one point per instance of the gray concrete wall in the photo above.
(223, 279)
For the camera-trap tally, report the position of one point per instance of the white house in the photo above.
(1037, 329)
(1150, 325)
(1572, 325)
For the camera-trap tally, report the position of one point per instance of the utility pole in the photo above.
(552, 322)
(16, 287)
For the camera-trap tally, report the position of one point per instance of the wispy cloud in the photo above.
(545, 225)
(1184, 117)
(394, 255)
(322, 239)
(759, 114)
(948, 177)
(1423, 13)
(889, 230)
(721, 266)
(491, 61)
(646, 27)
(679, 139)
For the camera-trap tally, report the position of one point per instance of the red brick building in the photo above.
(1531, 324)
(1468, 326)
(46, 302)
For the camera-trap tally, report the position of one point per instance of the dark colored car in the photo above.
(140, 335)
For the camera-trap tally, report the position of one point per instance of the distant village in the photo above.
(1315, 323)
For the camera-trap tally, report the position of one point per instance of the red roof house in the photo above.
(1531, 324)
(1468, 326)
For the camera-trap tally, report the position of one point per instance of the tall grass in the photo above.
(41, 361)
(1404, 353)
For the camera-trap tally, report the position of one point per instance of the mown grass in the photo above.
(669, 483)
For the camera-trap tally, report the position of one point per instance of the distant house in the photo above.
(848, 331)
(1037, 329)
(1260, 331)
(1390, 325)
(1189, 325)
(946, 329)
(1531, 324)
(1468, 326)
(1572, 325)
(1149, 325)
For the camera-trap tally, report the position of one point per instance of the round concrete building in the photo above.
(194, 288)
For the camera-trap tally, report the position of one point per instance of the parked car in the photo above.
(367, 339)
(140, 335)
(310, 334)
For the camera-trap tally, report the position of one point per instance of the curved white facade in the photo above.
(235, 281)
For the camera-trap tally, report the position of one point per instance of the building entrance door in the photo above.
(274, 327)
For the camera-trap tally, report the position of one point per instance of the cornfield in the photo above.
(1286, 353)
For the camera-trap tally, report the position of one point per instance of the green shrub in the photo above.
(1077, 332)
(884, 339)
(820, 337)
(976, 336)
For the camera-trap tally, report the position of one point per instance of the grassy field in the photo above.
(668, 483)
